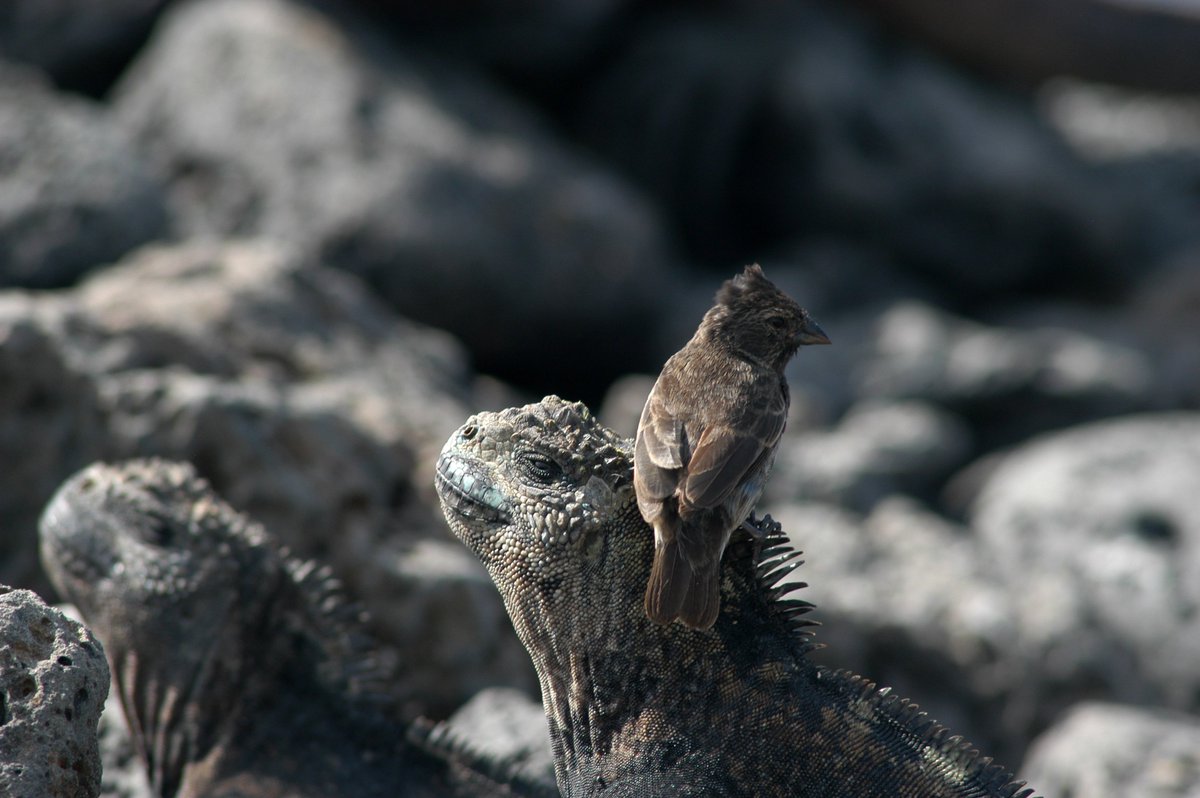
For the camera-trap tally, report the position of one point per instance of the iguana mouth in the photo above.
(466, 489)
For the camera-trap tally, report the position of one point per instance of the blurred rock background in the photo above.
(297, 243)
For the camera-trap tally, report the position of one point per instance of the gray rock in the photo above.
(435, 599)
(623, 402)
(258, 310)
(879, 448)
(509, 725)
(73, 39)
(906, 599)
(1035, 369)
(451, 200)
(74, 192)
(1106, 122)
(1097, 530)
(53, 682)
(1007, 382)
(305, 402)
(315, 409)
(1104, 750)
(50, 426)
(325, 485)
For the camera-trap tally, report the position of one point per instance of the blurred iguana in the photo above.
(243, 671)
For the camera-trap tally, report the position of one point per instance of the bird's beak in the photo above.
(811, 333)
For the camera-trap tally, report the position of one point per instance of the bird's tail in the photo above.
(678, 589)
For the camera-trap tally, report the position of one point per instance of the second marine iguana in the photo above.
(244, 672)
(543, 495)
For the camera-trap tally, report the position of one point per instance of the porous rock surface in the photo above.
(53, 682)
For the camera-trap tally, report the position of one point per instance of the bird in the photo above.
(707, 439)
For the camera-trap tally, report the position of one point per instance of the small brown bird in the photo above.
(707, 438)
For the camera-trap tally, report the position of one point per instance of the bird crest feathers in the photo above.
(749, 281)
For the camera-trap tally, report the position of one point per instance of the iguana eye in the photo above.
(157, 531)
(538, 467)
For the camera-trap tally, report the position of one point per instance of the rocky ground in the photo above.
(298, 243)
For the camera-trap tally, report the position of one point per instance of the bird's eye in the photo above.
(538, 467)
(777, 322)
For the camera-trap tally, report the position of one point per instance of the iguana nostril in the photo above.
(469, 431)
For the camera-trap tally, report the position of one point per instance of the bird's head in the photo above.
(758, 320)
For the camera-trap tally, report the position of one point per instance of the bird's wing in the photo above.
(724, 453)
(661, 432)
(660, 451)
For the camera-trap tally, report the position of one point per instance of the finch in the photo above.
(707, 438)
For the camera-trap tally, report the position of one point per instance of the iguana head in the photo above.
(532, 491)
(147, 550)
(543, 495)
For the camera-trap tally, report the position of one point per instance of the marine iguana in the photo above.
(543, 495)
(707, 437)
(243, 671)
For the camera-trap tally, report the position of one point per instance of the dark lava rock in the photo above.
(53, 682)
(1147, 43)
(51, 425)
(452, 201)
(81, 43)
(1166, 312)
(755, 127)
(74, 191)
(538, 43)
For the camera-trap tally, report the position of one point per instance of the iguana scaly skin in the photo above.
(243, 672)
(543, 495)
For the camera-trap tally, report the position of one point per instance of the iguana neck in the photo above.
(182, 710)
(615, 685)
